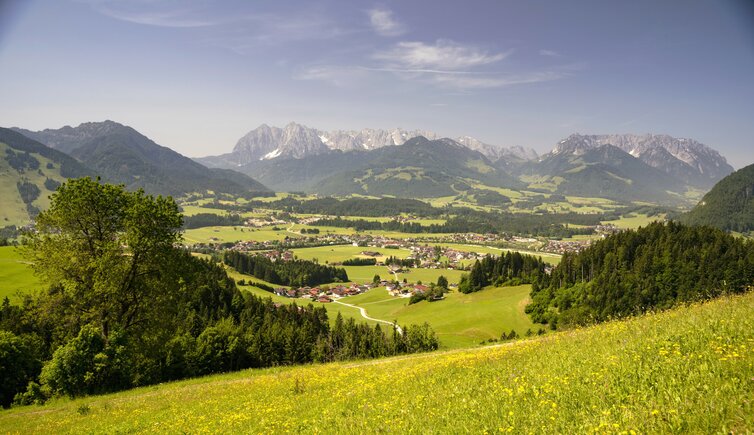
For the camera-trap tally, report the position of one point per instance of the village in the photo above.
(327, 294)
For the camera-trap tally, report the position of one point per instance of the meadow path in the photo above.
(366, 316)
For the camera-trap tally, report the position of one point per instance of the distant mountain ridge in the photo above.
(418, 168)
(120, 154)
(298, 141)
(606, 171)
(685, 159)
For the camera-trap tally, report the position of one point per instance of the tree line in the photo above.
(655, 267)
(360, 262)
(211, 220)
(295, 273)
(474, 221)
(511, 268)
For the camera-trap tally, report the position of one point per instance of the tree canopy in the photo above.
(106, 250)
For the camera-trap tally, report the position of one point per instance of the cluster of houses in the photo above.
(561, 246)
(264, 222)
(429, 257)
(405, 290)
(276, 255)
(323, 294)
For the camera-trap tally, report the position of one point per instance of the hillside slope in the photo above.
(685, 370)
(29, 173)
(729, 205)
(123, 155)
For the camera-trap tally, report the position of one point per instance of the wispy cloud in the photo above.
(497, 80)
(161, 13)
(242, 31)
(337, 75)
(253, 31)
(442, 55)
(384, 24)
(549, 53)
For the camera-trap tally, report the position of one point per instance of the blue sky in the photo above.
(197, 75)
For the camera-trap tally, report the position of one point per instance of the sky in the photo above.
(196, 75)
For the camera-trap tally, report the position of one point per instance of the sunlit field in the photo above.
(15, 274)
(688, 370)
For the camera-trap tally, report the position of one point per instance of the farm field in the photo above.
(479, 249)
(460, 320)
(232, 234)
(191, 210)
(687, 370)
(339, 253)
(15, 274)
(634, 221)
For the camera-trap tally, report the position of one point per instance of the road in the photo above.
(366, 316)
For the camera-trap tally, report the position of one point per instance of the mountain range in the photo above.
(627, 167)
(404, 163)
(298, 141)
(684, 159)
(121, 154)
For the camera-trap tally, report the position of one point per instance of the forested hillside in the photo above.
(635, 271)
(729, 205)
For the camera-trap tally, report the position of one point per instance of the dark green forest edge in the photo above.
(633, 272)
(125, 307)
(296, 273)
(628, 273)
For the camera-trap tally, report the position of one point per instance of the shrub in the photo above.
(87, 364)
(18, 365)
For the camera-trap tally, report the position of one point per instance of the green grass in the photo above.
(634, 221)
(15, 274)
(479, 249)
(233, 234)
(339, 253)
(690, 370)
(12, 208)
(460, 320)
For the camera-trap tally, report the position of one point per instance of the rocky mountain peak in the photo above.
(685, 158)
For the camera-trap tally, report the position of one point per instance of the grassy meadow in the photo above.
(460, 320)
(689, 370)
(634, 221)
(15, 274)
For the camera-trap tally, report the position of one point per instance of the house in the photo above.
(324, 299)
(280, 291)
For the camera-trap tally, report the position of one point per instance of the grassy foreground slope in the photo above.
(686, 370)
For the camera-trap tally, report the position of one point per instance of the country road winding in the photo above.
(366, 316)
